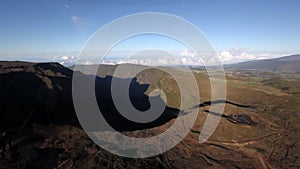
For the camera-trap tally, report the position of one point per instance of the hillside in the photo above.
(45, 89)
(282, 64)
(258, 129)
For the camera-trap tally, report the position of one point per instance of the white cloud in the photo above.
(184, 60)
(265, 54)
(75, 20)
(64, 60)
(188, 53)
(246, 56)
(235, 55)
(226, 56)
(88, 62)
(79, 22)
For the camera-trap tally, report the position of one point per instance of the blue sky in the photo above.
(40, 30)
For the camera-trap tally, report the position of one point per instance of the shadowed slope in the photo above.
(45, 88)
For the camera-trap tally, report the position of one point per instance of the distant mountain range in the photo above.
(283, 64)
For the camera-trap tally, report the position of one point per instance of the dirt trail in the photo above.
(241, 145)
(247, 141)
(243, 141)
(261, 160)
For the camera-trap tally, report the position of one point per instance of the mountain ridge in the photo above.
(289, 63)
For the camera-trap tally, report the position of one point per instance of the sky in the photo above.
(56, 30)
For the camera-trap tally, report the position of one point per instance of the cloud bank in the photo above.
(64, 60)
(235, 55)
